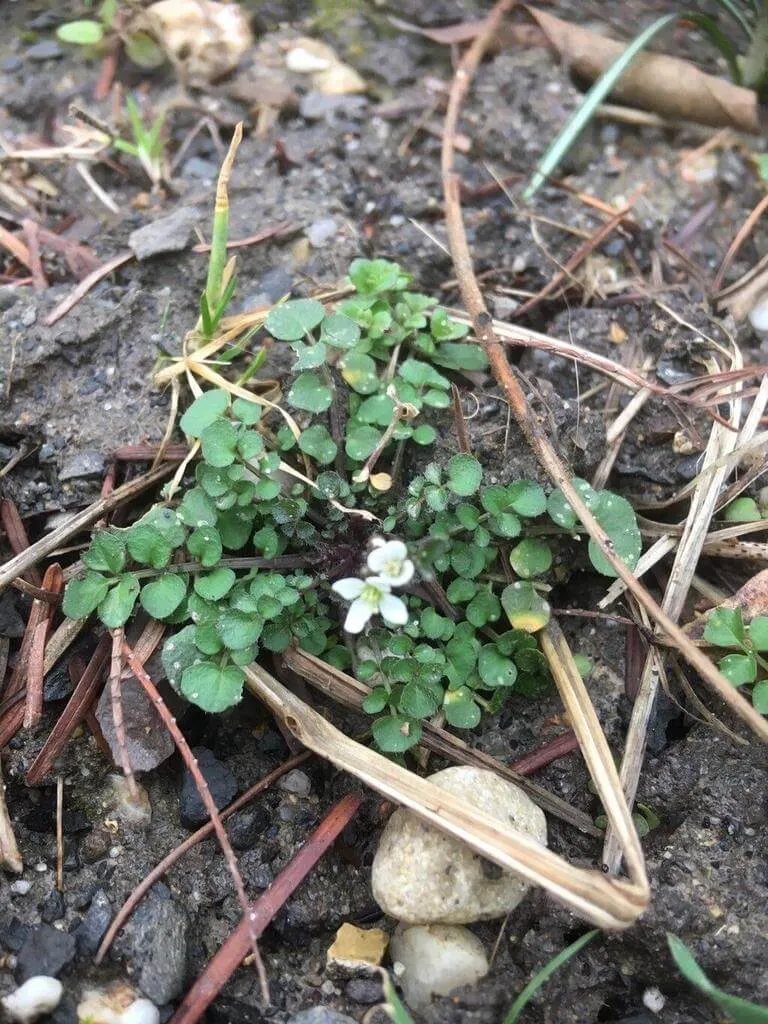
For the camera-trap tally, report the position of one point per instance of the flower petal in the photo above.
(358, 615)
(380, 557)
(404, 576)
(349, 588)
(393, 610)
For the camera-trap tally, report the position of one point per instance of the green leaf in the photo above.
(393, 1006)
(83, 596)
(378, 409)
(116, 608)
(317, 442)
(543, 976)
(742, 510)
(460, 709)
(443, 328)
(460, 591)
(376, 700)
(527, 498)
(247, 412)
(758, 632)
(84, 32)
(212, 586)
(178, 653)
(417, 701)
(166, 521)
(203, 411)
(219, 443)
(561, 513)
(432, 624)
(760, 696)
(106, 553)
(250, 444)
(211, 687)
(359, 371)
(293, 320)
(725, 628)
(586, 109)
(524, 606)
(197, 509)
(309, 357)
(742, 1011)
(467, 560)
(339, 331)
(483, 608)
(361, 442)
(148, 546)
(142, 50)
(205, 545)
(310, 392)
(531, 557)
(495, 669)
(461, 356)
(394, 734)
(618, 519)
(464, 474)
(163, 596)
(238, 630)
(739, 669)
(373, 276)
(506, 525)
(424, 434)
(422, 375)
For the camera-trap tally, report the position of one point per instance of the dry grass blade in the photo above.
(608, 903)
(521, 409)
(10, 858)
(721, 443)
(350, 692)
(19, 565)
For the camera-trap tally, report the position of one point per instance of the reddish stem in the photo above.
(546, 754)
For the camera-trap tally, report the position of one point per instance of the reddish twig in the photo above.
(459, 423)
(521, 409)
(17, 537)
(53, 582)
(15, 247)
(116, 670)
(178, 852)
(31, 233)
(85, 286)
(221, 968)
(740, 238)
(274, 231)
(547, 753)
(210, 805)
(72, 716)
(147, 452)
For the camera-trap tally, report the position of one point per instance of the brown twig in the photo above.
(85, 286)
(23, 561)
(193, 767)
(31, 233)
(280, 230)
(547, 753)
(520, 408)
(53, 583)
(10, 858)
(459, 423)
(116, 671)
(17, 537)
(147, 452)
(739, 239)
(15, 247)
(220, 969)
(178, 852)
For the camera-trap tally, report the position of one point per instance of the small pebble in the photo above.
(364, 990)
(328, 988)
(321, 231)
(20, 887)
(653, 999)
(37, 996)
(48, 49)
(436, 959)
(296, 782)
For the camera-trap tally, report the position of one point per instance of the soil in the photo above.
(78, 390)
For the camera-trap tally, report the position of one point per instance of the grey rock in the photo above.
(315, 106)
(364, 990)
(273, 286)
(168, 234)
(320, 232)
(160, 949)
(321, 1015)
(246, 828)
(10, 64)
(47, 49)
(147, 741)
(20, 887)
(11, 623)
(94, 925)
(87, 463)
(45, 951)
(52, 907)
(202, 170)
(221, 782)
(9, 295)
(297, 782)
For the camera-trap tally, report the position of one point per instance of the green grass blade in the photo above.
(739, 1010)
(393, 1006)
(585, 111)
(545, 974)
(137, 125)
(218, 256)
(720, 40)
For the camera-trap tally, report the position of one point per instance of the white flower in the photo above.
(390, 562)
(369, 597)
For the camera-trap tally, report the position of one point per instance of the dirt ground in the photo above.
(358, 177)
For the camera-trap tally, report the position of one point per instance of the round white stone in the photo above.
(435, 960)
(422, 876)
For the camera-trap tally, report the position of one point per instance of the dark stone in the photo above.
(221, 782)
(95, 846)
(82, 900)
(81, 465)
(296, 782)
(364, 990)
(247, 827)
(47, 49)
(45, 951)
(65, 1012)
(148, 743)
(58, 684)
(11, 623)
(52, 907)
(94, 924)
(160, 949)
(13, 934)
(321, 1015)
(199, 168)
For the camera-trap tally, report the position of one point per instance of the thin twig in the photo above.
(85, 286)
(459, 423)
(740, 238)
(178, 852)
(53, 583)
(60, 833)
(520, 408)
(193, 767)
(116, 671)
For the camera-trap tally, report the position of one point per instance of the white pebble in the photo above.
(436, 959)
(37, 996)
(758, 315)
(653, 1000)
(20, 887)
